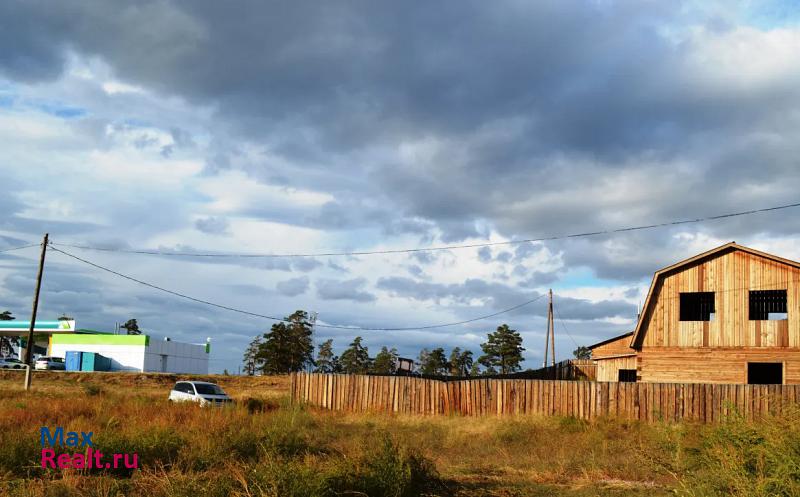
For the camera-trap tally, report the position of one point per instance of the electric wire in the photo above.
(563, 325)
(436, 248)
(273, 318)
(20, 248)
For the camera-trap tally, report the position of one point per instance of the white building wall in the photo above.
(123, 357)
(181, 357)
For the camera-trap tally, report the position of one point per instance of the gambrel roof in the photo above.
(728, 247)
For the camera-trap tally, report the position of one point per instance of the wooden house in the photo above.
(614, 358)
(729, 315)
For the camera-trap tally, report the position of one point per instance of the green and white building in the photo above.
(135, 352)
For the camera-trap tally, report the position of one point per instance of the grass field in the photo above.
(264, 447)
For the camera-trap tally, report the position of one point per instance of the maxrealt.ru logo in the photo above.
(88, 459)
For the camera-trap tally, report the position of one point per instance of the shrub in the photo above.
(92, 390)
(387, 471)
(748, 459)
(20, 454)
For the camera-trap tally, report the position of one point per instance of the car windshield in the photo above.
(207, 389)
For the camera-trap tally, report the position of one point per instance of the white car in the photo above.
(204, 393)
(48, 362)
(11, 363)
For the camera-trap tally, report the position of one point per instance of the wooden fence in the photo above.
(570, 369)
(581, 399)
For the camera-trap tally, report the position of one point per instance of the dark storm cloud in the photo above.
(502, 297)
(448, 120)
(293, 287)
(352, 289)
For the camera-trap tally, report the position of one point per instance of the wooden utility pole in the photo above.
(547, 336)
(29, 343)
(552, 330)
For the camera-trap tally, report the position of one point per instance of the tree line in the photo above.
(288, 347)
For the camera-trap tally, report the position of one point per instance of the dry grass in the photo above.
(263, 447)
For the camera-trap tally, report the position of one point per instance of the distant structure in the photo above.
(405, 366)
(729, 315)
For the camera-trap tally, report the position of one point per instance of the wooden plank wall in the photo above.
(608, 368)
(730, 275)
(587, 400)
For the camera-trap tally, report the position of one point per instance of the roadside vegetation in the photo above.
(264, 447)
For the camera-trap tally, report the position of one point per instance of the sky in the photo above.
(308, 127)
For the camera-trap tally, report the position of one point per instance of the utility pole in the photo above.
(29, 343)
(548, 335)
(547, 331)
(552, 330)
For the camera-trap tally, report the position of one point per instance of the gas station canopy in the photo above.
(20, 328)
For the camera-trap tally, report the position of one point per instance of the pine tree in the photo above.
(250, 359)
(460, 362)
(355, 360)
(582, 352)
(503, 350)
(433, 362)
(132, 327)
(385, 362)
(327, 361)
(287, 347)
(475, 370)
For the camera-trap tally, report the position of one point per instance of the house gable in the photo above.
(729, 271)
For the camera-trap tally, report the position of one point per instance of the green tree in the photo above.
(287, 347)
(433, 362)
(385, 362)
(460, 362)
(475, 370)
(582, 352)
(250, 359)
(502, 351)
(7, 343)
(132, 327)
(327, 361)
(355, 360)
(64, 317)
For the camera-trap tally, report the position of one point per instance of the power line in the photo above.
(273, 318)
(20, 248)
(563, 325)
(432, 249)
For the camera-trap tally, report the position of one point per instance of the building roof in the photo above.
(93, 332)
(612, 339)
(728, 247)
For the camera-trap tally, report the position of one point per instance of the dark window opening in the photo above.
(765, 373)
(768, 305)
(627, 375)
(697, 306)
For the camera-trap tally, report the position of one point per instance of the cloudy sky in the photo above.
(285, 127)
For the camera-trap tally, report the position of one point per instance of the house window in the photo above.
(626, 375)
(767, 305)
(697, 306)
(764, 373)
